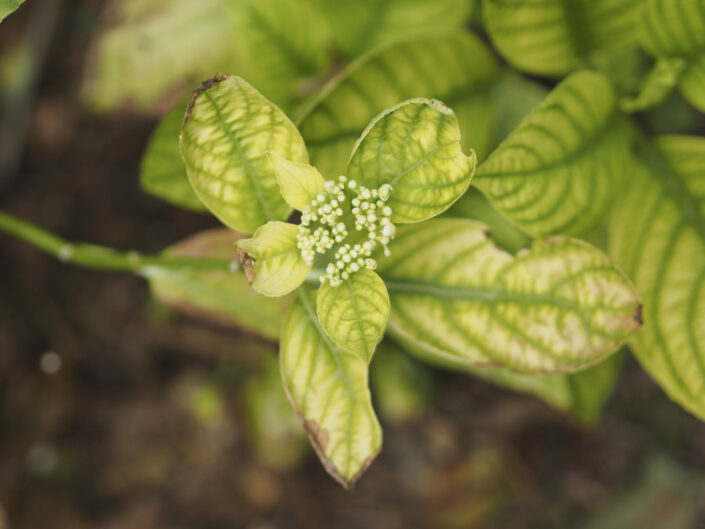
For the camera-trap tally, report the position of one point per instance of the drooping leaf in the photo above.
(657, 85)
(299, 183)
(554, 37)
(278, 265)
(163, 173)
(364, 24)
(557, 172)
(558, 307)
(354, 314)
(676, 29)
(658, 236)
(224, 297)
(415, 148)
(279, 44)
(8, 6)
(228, 129)
(152, 47)
(454, 67)
(328, 387)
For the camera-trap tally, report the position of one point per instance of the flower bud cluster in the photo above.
(325, 210)
(322, 227)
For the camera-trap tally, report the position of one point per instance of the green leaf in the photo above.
(229, 126)
(676, 29)
(274, 428)
(222, 297)
(279, 44)
(557, 172)
(364, 24)
(328, 387)
(558, 307)
(582, 394)
(658, 236)
(402, 387)
(162, 173)
(454, 67)
(8, 6)
(657, 85)
(554, 37)
(278, 265)
(299, 183)
(354, 314)
(151, 48)
(415, 148)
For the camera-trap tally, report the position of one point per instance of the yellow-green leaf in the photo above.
(8, 6)
(415, 148)
(455, 67)
(656, 86)
(559, 306)
(554, 37)
(222, 297)
(676, 29)
(278, 265)
(228, 129)
(364, 24)
(150, 48)
(354, 314)
(658, 236)
(299, 183)
(328, 387)
(163, 173)
(559, 169)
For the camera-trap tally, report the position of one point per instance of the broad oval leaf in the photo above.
(554, 37)
(558, 170)
(455, 67)
(658, 236)
(162, 172)
(328, 387)
(676, 29)
(278, 267)
(354, 314)
(557, 307)
(364, 24)
(299, 183)
(223, 297)
(150, 48)
(415, 148)
(229, 126)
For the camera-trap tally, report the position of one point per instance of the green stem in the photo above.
(100, 257)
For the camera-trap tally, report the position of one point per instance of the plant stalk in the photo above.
(102, 258)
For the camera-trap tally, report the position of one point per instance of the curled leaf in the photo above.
(278, 267)
(415, 148)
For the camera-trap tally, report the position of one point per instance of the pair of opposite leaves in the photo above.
(249, 164)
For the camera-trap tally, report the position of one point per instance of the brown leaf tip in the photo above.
(248, 264)
(205, 85)
(638, 314)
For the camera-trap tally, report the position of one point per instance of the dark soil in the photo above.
(108, 442)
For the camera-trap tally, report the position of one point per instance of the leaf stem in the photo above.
(100, 257)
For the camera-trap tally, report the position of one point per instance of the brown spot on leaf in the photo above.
(217, 78)
(638, 314)
(248, 264)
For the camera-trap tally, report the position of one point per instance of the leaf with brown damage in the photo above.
(328, 387)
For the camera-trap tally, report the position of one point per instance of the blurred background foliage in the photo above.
(156, 419)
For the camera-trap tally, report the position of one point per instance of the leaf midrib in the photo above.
(247, 166)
